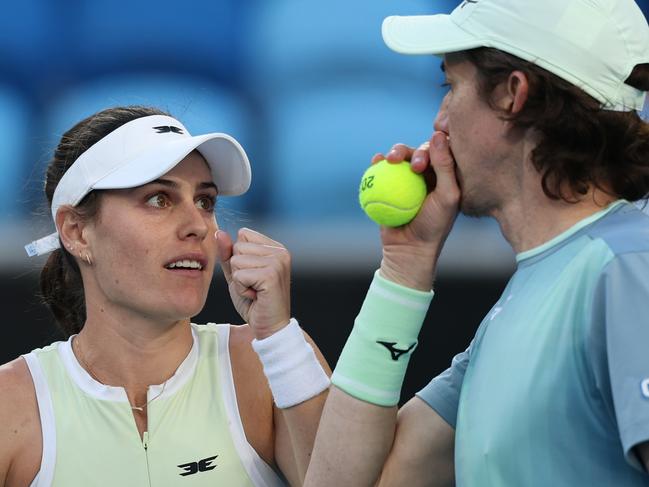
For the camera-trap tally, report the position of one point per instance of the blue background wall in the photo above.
(308, 88)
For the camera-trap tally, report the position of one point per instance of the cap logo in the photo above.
(163, 129)
(468, 1)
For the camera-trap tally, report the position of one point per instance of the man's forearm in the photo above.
(352, 443)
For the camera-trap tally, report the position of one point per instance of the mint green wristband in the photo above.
(373, 362)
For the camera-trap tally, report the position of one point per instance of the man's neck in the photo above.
(536, 219)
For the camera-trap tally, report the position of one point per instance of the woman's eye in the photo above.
(206, 203)
(158, 201)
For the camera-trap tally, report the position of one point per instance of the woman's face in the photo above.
(153, 247)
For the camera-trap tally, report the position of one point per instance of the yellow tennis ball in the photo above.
(391, 194)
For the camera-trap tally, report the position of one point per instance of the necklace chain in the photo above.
(89, 370)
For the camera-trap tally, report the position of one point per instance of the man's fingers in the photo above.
(377, 158)
(398, 153)
(443, 164)
(420, 158)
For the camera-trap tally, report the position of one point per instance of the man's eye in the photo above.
(158, 200)
(206, 203)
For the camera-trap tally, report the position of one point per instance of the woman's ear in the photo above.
(71, 226)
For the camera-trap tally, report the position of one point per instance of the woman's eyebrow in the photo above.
(174, 185)
(164, 182)
(207, 185)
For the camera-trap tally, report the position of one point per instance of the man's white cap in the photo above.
(593, 44)
(139, 152)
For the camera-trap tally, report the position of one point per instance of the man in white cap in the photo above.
(541, 130)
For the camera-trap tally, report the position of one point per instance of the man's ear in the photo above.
(71, 231)
(511, 95)
(517, 90)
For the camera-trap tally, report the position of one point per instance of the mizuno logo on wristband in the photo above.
(396, 352)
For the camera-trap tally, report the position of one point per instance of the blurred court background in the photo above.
(311, 92)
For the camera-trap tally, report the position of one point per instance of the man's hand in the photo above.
(258, 272)
(410, 252)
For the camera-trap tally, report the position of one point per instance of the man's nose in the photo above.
(441, 120)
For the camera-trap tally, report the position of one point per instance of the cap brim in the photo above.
(426, 34)
(226, 158)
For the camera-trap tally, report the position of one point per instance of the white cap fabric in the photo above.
(139, 152)
(593, 44)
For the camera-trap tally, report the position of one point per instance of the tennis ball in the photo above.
(391, 194)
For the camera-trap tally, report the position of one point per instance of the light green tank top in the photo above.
(194, 436)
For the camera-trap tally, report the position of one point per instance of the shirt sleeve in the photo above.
(620, 349)
(443, 392)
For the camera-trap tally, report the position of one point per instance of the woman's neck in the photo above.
(131, 351)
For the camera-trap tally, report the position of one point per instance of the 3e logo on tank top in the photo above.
(200, 466)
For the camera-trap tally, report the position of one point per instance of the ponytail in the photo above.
(62, 291)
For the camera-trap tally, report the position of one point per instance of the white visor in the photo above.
(139, 152)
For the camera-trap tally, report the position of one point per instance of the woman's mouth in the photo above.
(185, 264)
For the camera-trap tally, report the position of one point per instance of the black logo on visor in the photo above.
(468, 1)
(163, 129)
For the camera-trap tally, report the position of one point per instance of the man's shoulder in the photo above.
(625, 230)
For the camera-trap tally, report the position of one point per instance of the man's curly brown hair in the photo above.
(581, 145)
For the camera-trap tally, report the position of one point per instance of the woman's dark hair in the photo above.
(61, 284)
(581, 145)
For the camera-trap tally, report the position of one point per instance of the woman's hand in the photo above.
(410, 251)
(258, 272)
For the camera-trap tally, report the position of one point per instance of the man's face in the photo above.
(477, 138)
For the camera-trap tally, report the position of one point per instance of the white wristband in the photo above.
(291, 367)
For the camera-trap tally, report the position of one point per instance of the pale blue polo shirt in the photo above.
(554, 388)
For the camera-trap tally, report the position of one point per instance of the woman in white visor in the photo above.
(139, 396)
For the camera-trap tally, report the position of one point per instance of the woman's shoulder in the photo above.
(20, 428)
(16, 383)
